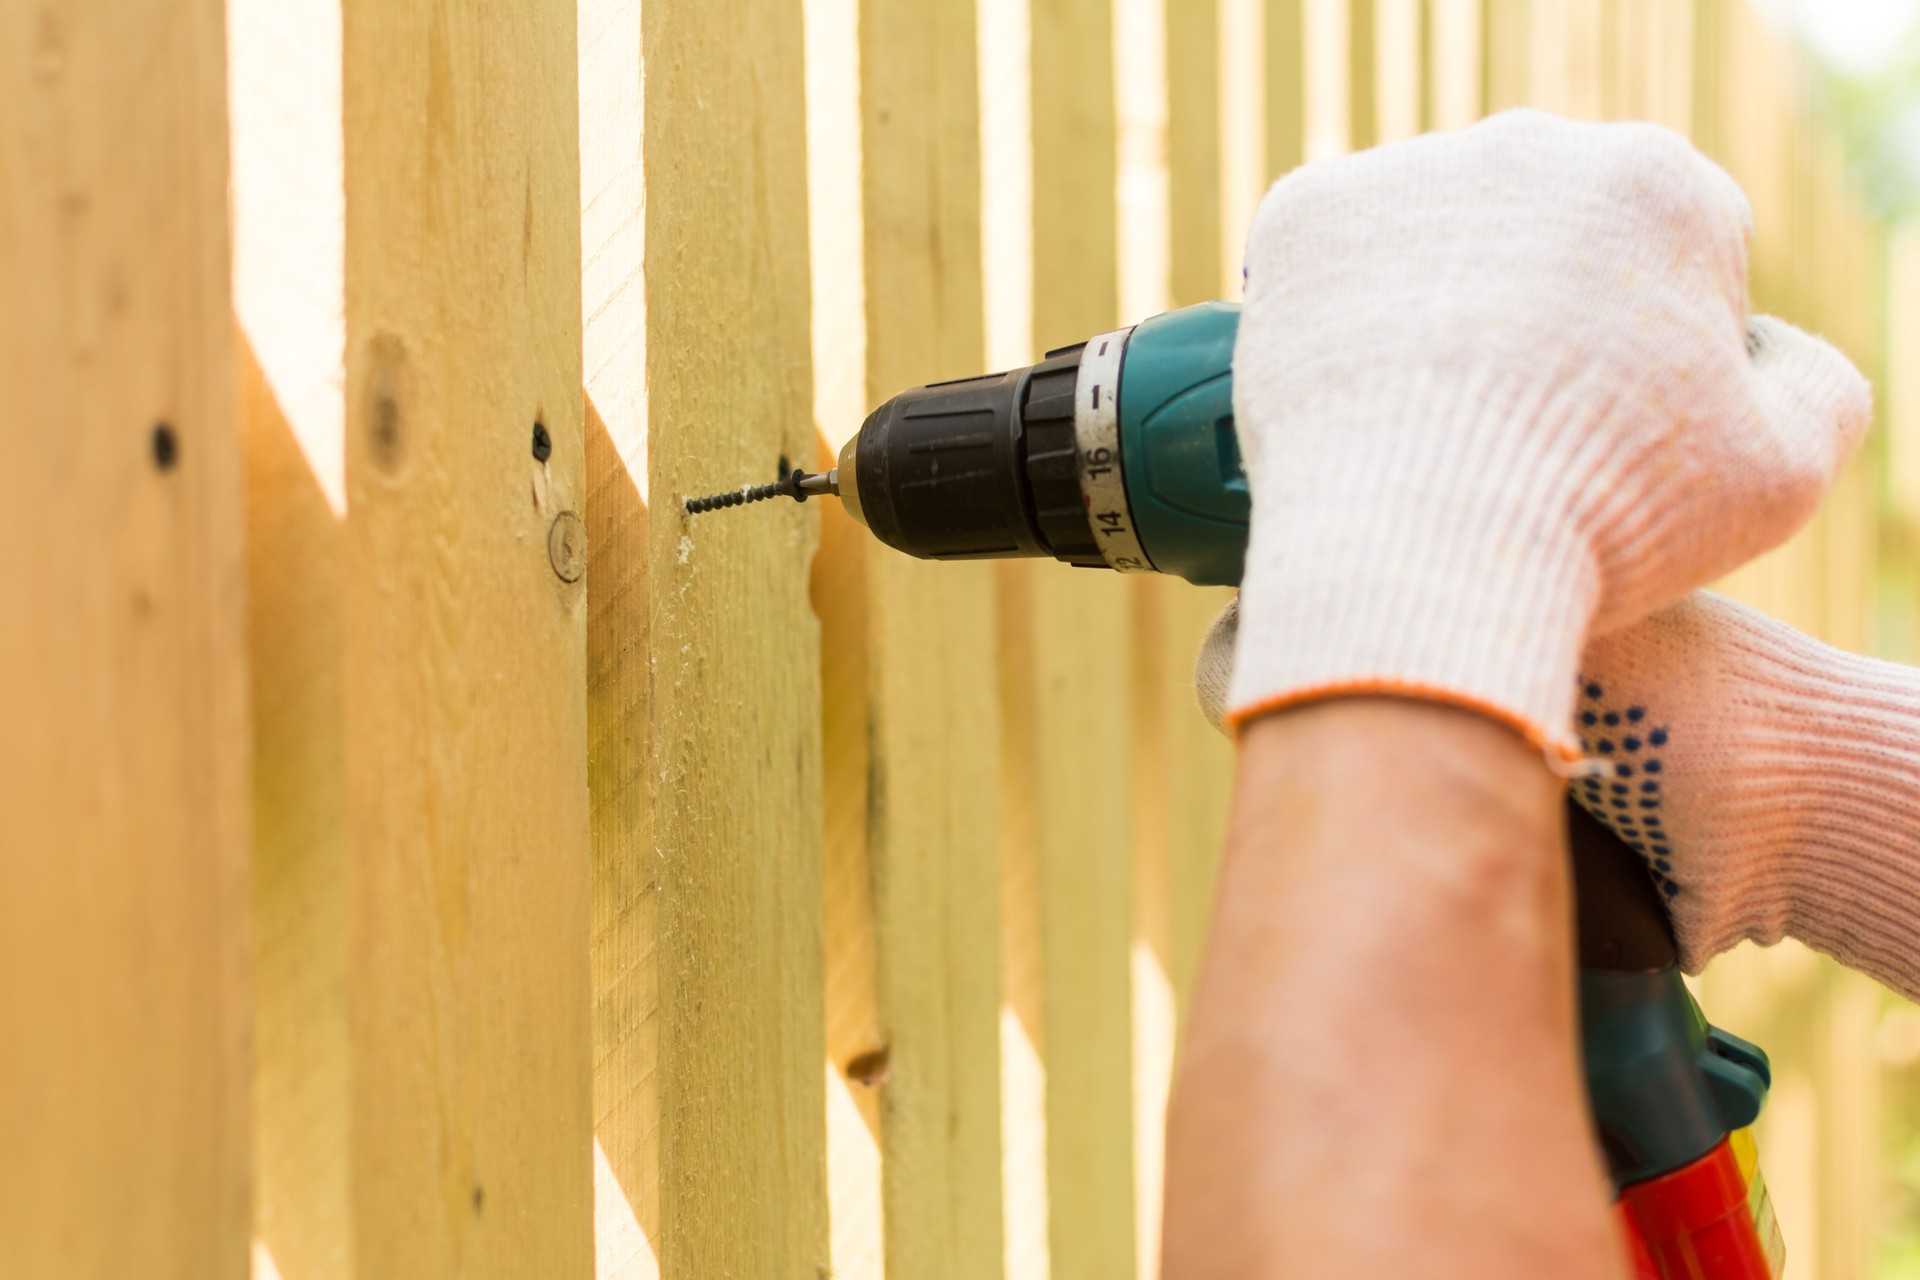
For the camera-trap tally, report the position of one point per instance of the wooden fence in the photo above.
(427, 853)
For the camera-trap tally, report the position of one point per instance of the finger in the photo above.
(1812, 399)
(1726, 195)
(1213, 667)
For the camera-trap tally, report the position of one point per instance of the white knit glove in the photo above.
(1496, 390)
(1770, 782)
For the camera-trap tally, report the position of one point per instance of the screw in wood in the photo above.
(166, 447)
(798, 485)
(567, 546)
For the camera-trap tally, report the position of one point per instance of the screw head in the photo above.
(567, 546)
(166, 446)
(871, 1068)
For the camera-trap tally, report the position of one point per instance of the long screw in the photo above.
(799, 485)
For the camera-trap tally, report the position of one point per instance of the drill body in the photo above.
(1120, 453)
(1054, 460)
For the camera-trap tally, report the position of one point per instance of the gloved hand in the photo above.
(1770, 782)
(1497, 390)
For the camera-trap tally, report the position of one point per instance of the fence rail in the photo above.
(429, 853)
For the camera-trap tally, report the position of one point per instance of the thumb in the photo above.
(1213, 668)
(1812, 400)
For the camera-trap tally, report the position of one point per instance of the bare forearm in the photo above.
(1380, 1071)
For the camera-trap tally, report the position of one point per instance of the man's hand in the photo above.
(1771, 782)
(1497, 392)
(1496, 389)
(1379, 1077)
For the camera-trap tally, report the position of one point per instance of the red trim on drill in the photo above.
(1703, 1221)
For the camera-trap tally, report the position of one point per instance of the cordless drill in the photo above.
(1120, 453)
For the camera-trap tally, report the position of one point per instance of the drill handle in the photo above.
(1622, 924)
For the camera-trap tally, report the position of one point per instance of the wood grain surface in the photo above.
(1074, 676)
(932, 716)
(123, 745)
(407, 280)
(625, 870)
(735, 720)
(465, 642)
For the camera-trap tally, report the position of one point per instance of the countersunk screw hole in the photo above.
(542, 442)
(166, 447)
(871, 1068)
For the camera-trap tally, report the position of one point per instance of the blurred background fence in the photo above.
(428, 854)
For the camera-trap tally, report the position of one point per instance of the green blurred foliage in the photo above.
(1876, 111)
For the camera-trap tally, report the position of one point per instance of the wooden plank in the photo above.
(1399, 68)
(1506, 39)
(1195, 802)
(1670, 64)
(1901, 392)
(1585, 52)
(1708, 61)
(1241, 116)
(1899, 613)
(735, 737)
(932, 812)
(1155, 1016)
(464, 634)
(1075, 681)
(1195, 268)
(1286, 80)
(418, 630)
(1025, 1113)
(1848, 1073)
(1145, 269)
(1006, 233)
(289, 244)
(1456, 76)
(1363, 75)
(124, 757)
(857, 1055)
(937, 903)
(625, 885)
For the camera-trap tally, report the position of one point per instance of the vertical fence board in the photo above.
(1194, 169)
(1399, 68)
(289, 241)
(1286, 84)
(625, 885)
(1154, 1016)
(1196, 803)
(1196, 800)
(1505, 38)
(1901, 416)
(735, 735)
(932, 721)
(856, 1047)
(123, 769)
(1363, 74)
(1243, 112)
(464, 635)
(1005, 43)
(1140, 40)
(1455, 70)
(1075, 678)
